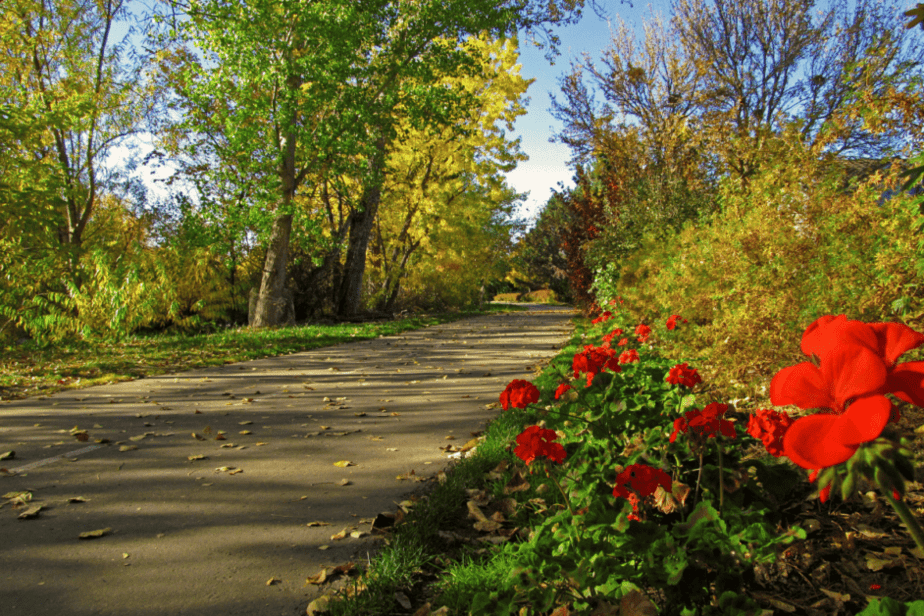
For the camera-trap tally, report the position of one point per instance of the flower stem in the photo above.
(698, 477)
(907, 518)
(560, 489)
(721, 483)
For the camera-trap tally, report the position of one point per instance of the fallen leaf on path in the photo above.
(95, 534)
(346, 482)
(344, 463)
(31, 513)
(224, 469)
(228, 446)
(244, 423)
(199, 457)
(359, 414)
(341, 535)
(319, 605)
(9, 455)
(358, 534)
(128, 447)
(76, 499)
(391, 449)
(450, 438)
(245, 432)
(376, 438)
(323, 547)
(310, 524)
(401, 598)
(260, 444)
(236, 471)
(81, 436)
(273, 581)
(198, 437)
(220, 437)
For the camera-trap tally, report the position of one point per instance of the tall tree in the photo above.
(303, 86)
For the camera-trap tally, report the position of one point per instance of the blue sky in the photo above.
(547, 165)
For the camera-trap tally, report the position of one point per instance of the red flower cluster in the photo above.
(628, 357)
(536, 442)
(593, 360)
(672, 321)
(853, 367)
(769, 427)
(519, 394)
(643, 331)
(642, 480)
(682, 374)
(706, 423)
(608, 338)
(561, 390)
(603, 318)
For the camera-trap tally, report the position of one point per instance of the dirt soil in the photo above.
(205, 482)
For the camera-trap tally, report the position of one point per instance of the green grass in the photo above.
(29, 370)
(416, 545)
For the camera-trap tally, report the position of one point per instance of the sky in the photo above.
(547, 165)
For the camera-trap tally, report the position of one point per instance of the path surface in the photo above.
(187, 539)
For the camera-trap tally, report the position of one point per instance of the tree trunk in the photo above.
(271, 302)
(360, 231)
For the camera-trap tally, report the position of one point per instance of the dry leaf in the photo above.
(224, 469)
(198, 437)
(323, 547)
(81, 436)
(346, 482)
(128, 447)
(95, 534)
(317, 579)
(637, 603)
(318, 524)
(244, 423)
(319, 605)
(220, 437)
(342, 534)
(402, 599)
(9, 455)
(358, 534)
(344, 463)
(236, 471)
(76, 499)
(194, 458)
(31, 513)
(245, 432)
(273, 581)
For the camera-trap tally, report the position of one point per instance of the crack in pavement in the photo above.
(208, 479)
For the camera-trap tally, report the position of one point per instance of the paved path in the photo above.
(187, 539)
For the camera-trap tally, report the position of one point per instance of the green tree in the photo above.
(300, 87)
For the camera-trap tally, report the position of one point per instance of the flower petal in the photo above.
(906, 381)
(803, 442)
(863, 421)
(802, 385)
(895, 339)
(852, 371)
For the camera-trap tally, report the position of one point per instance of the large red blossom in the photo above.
(519, 394)
(593, 360)
(643, 331)
(536, 442)
(672, 321)
(638, 481)
(769, 427)
(706, 423)
(628, 357)
(682, 374)
(855, 369)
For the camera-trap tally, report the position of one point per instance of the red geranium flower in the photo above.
(682, 374)
(609, 337)
(623, 342)
(519, 394)
(593, 360)
(603, 318)
(706, 423)
(536, 442)
(642, 480)
(561, 390)
(769, 427)
(628, 357)
(855, 369)
(672, 321)
(643, 332)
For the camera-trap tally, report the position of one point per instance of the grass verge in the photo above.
(414, 559)
(29, 370)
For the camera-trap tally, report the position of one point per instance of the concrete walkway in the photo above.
(207, 480)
